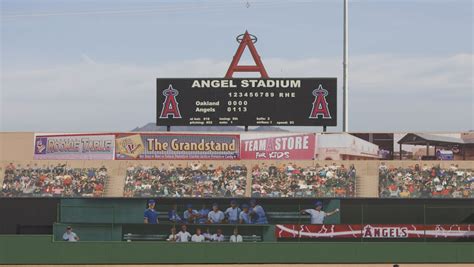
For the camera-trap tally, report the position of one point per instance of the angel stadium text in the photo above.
(245, 83)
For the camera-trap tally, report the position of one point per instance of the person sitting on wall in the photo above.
(197, 237)
(317, 214)
(236, 238)
(232, 213)
(244, 216)
(183, 235)
(151, 215)
(173, 237)
(218, 236)
(173, 215)
(202, 215)
(257, 213)
(69, 235)
(190, 215)
(215, 215)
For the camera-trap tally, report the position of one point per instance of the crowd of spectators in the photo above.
(425, 181)
(293, 181)
(218, 236)
(195, 180)
(53, 181)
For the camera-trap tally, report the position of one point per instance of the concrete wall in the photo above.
(16, 146)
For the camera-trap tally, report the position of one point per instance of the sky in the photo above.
(88, 65)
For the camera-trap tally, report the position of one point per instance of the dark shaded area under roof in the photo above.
(422, 139)
(432, 139)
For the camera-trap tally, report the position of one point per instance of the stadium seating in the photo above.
(293, 181)
(393, 179)
(53, 181)
(425, 181)
(196, 180)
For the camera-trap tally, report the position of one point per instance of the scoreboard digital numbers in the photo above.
(247, 102)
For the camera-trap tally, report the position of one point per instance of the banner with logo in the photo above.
(318, 231)
(289, 147)
(449, 231)
(370, 231)
(149, 146)
(74, 146)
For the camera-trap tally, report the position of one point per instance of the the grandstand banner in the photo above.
(74, 146)
(290, 147)
(150, 146)
(221, 102)
(371, 231)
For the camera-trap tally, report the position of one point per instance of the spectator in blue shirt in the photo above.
(232, 213)
(190, 215)
(244, 216)
(173, 215)
(151, 215)
(257, 213)
(91, 173)
(202, 214)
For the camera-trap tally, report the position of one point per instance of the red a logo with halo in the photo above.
(320, 104)
(170, 106)
(246, 40)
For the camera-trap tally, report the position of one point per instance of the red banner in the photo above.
(318, 230)
(449, 231)
(374, 231)
(393, 231)
(292, 147)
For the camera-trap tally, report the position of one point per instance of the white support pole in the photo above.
(345, 88)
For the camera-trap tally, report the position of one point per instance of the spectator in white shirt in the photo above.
(207, 235)
(197, 237)
(183, 235)
(173, 236)
(236, 238)
(218, 236)
(69, 235)
(317, 214)
(215, 215)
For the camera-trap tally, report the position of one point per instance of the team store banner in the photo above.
(370, 231)
(289, 147)
(151, 146)
(74, 146)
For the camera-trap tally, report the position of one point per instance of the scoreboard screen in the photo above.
(247, 102)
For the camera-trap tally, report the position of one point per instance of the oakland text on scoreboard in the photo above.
(247, 102)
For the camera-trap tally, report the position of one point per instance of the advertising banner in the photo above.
(318, 230)
(393, 231)
(384, 231)
(292, 147)
(71, 146)
(449, 231)
(150, 146)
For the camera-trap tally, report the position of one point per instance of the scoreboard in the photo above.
(246, 102)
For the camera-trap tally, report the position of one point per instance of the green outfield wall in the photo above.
(16, 249)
